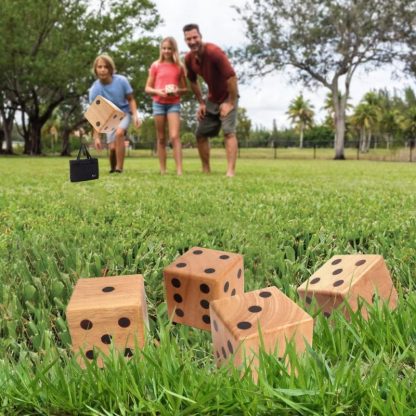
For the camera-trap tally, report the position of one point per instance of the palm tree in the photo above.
(301, 115)
(365, 118)
(407, 122)
(389, 116)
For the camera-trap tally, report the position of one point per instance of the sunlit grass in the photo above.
(286, 217)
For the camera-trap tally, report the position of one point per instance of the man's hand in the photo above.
(201, 111)
(225, 109)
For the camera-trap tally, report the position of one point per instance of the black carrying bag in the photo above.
(83, 169)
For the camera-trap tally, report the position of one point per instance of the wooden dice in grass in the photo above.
(241, 324)
(103, 115)
(105, 312)
(349, 278)
(198, 277)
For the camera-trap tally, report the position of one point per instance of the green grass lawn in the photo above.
(287, 217)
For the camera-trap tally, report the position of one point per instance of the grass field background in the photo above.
(287, 217)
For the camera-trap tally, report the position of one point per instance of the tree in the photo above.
(365, 118)
(243, 126)
(406, 118)
(301, 114)
(324, 41)
(51, 45)
(7, 113)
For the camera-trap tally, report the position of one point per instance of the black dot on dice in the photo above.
(224, 354)
(176, 283)
(215, 325)
(177, 297)
(337, 271)
(244, 325)
(179, 312)
(86, 324)
(197, 252)
(360, 262)
(204, 303)
(206, 319)
(255, 308)
(327, 314)
(315, 280)
(181, 265)
(239, 273)
(204, 288)
(308, 300)
(124, 322)
(265, 294)
(338, 283)
(98, 102)
(209, 270)
(230, 347)
(98, 124)
(128, 352)
(226, 287)
(336, 261)
(108, 289)
(106, 339)
(89, 354)
(114, 116)
(224, 257)
(233, 292)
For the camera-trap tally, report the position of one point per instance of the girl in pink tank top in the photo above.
(166, 82)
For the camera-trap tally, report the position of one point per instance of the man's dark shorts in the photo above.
(211, 124)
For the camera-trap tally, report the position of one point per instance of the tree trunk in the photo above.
(301, 138)
(339, 110)
(8, 139)
(369, 137)
(66, 148)
(339, 137)
(8, 120)
(362, 139)
(35, 138)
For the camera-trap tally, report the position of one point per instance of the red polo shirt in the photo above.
(214, 67)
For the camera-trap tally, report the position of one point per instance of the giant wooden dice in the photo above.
(103, 115)
(107, 311)
(241, 324)
(348, 278)
(196, 278)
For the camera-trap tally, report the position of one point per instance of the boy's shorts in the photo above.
(124, 124)
(212, 123)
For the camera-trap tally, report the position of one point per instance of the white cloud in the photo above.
(267, 98)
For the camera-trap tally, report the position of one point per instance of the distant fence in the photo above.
(396, 152)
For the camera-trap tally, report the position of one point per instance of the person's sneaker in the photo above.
(112, 171)
(118, 171)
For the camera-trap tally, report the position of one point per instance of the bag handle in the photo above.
(84, 150)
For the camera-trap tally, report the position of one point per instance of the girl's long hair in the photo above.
(175, 53)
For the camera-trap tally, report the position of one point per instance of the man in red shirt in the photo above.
(220, 109)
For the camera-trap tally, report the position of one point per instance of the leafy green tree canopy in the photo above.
(324, 41)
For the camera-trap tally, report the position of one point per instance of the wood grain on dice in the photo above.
(239, 325)
(103, 115)
(196, 278)
(349, 278)
(107, 311)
